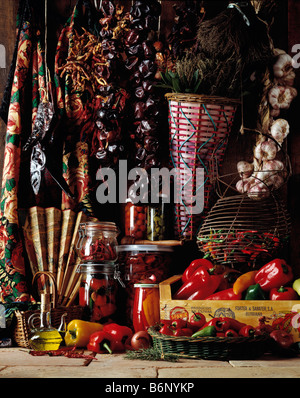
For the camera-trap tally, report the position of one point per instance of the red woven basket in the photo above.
(199, 127)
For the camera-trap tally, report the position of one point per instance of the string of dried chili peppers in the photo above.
(141, 47)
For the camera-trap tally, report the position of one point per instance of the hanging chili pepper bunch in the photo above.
(95, 66)
(141, 67)
(110, 102)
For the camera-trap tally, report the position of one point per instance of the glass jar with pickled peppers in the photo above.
(135, 220)
(158, 219)
(146, 305)
(98, 290)
(97, 242)
(139, 262)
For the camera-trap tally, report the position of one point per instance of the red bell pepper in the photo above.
(247, 331)
(179, 324)
(221, 324)
(231, 333)
(121, 335)
(201, 284)
(183, 332)
(283, 338)
(166, 330)
(196, 321)
(234, 323)
(227, 294)
(194, 265)
(274, 274)
(101, 342)
(283, 293)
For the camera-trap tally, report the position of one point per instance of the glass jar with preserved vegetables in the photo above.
(97, 242)
(146, 305)
(135, 220)
(139, 262)
(98, 291)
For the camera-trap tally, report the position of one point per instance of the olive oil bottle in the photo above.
(44, 337)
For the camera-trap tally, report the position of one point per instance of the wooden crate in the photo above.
(287, 313)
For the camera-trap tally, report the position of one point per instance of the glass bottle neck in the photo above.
(45, 320)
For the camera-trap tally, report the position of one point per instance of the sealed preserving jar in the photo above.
(135, 220)
(98, 291)
(97, 242)
(158, 218)
(139, 262)
(145, 306)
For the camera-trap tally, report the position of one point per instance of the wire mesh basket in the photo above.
(241, 230)
(199, 127)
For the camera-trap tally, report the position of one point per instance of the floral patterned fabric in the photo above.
(29, 84)
(12, 267)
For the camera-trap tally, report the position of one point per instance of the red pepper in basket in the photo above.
(231, 333)
(227, 294)
(201, 284)
(196, 321)
(179, 324)
(221, 324)
(166, 330)
(274, 274)
(283, 293)
(247, 331)
(195, 264)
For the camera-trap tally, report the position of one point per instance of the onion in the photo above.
(141, 340)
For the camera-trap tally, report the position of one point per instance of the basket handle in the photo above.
(51, 276)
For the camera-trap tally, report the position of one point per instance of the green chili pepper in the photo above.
(207, 331)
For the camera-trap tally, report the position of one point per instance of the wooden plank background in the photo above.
(285, 33)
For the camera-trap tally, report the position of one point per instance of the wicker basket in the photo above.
(21, 330)
(216, 348)
(199, 127)
(239, 230)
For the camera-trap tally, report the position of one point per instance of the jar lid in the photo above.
(106, 225)
(96, 267)
(146, 285)
(143, 248)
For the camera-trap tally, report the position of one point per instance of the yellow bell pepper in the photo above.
(78, 332)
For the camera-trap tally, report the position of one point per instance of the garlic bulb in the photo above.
(283, 70)
(243, 185)
(265, 150)
(280, 130)
(280, 97)
(245, 169)
(273, 165)
(258, 191)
